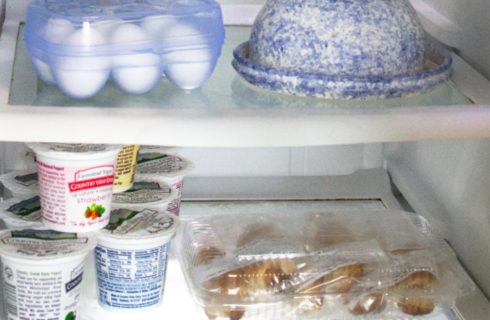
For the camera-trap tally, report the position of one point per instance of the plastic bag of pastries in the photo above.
(346, 265)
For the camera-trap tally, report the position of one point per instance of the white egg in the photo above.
(43, 70)
(87, 35)
(155, 26)
(82, 76)
(57, 30)
(81, 84)
(134, 72)
(189, 69)
(107, 27)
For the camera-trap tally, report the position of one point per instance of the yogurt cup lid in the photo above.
(142, 225)
(145, 192)
(21, 182)
(43, 244)
(161, 164)
(21, 211)
(159, 149)
(74, 150)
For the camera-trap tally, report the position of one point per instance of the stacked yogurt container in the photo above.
(83, 196)
(78, 45)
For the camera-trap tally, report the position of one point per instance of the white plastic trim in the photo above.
(438, 25)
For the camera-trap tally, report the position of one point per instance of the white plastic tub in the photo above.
(43, 270)
(167, 168)
(144, 194)
(21, 183)
(21, 212)
(75, 183)
(131, 259)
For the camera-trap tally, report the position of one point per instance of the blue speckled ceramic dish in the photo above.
(340, 49)
(437, 69)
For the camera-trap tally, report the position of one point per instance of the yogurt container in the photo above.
(167, 168)
(21, 183)
(143, 194)
(42, 273)
(22, 211)
(136, 44)
(75, 182)
(159, 149)
(131, 259)
(125, 168)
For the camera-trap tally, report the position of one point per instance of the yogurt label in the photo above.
(41, 294)
(130, 279)
(125, 167)
(75, 197)
(174, 205)
(143, 192)
(42, 271)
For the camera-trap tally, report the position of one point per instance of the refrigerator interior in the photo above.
(428, 154)
(412, 176)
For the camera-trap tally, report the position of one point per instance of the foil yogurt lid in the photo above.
(139, 224)
(143, 193)
(42, 244)
(73, 151)
(21, 211)
(23, 182)
(152, 164)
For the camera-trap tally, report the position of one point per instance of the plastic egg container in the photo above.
(79, 45)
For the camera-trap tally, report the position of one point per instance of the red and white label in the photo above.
(75, 198)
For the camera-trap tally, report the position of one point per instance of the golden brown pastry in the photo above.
(416, 305)
(257, 231)
(339, 280)
(254, 280)
(233, 313)
(417, 280)
(207, 254)
(369, 303)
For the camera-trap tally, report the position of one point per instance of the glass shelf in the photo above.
(224, 90)
(228, 112)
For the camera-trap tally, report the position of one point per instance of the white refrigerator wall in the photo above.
(472, 17)
(215, 162)
(449, 182)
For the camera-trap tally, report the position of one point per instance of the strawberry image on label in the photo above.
(94, 211)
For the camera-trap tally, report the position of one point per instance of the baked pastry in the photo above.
(337, 281)
(369, 303)
(416, 306)
(341, 279)
(207, 254)
(417, 280)
(254, 281)
(233, 313)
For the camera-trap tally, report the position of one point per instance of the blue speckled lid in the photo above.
(357, 38)
(340, 49)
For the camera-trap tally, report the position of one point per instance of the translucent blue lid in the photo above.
(79, 44)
